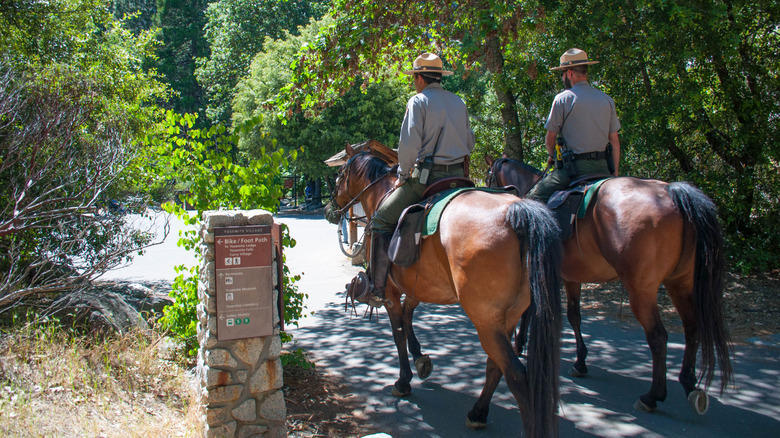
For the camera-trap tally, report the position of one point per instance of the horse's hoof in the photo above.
(574, 372)
(424, 366)
(699, 401)
(400, 394)
(475, 425)
(642, 407)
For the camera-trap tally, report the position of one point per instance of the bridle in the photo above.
(491, 176)
(344, 211)
(345, 170)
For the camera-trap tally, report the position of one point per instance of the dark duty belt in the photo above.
(600, 155)
(447, 167)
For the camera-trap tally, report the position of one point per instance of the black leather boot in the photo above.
(378, 268)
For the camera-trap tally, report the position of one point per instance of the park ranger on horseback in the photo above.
(583, 123)
(435, 141)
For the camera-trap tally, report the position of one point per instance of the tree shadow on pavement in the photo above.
(363, 354)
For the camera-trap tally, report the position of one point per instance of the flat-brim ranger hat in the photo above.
(572, 58)
(428, 63)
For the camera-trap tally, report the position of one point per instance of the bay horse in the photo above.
(646, 233)
(494, 254)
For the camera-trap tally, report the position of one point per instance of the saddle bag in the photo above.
(405, 244)
(565, 204)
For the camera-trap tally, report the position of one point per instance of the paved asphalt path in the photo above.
(599, 405)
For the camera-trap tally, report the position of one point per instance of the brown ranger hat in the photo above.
(573, 58)
(428, 63)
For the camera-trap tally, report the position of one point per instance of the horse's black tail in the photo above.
(540, 244)
(712, 332)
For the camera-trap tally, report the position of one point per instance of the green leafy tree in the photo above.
(368, 36)
(361, 113)
(183, 41)
(73, 103)
(203, 160)
(236, 31)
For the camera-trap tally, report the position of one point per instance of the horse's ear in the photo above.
(349, 150)
(488, 159)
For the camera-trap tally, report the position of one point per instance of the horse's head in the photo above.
(504, 172)
(361, 172)
(342, 195)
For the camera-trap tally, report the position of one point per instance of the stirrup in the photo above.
(375, 301)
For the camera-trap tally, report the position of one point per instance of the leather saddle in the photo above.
(404, 247)
(566, 204)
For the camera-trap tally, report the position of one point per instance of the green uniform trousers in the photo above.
(558, 180)
(410, 192)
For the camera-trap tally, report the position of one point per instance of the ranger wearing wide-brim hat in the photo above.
(572, 58)
(583, 123)
(435, 140)
(428, 63)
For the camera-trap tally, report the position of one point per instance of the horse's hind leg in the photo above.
(501, 360)
(421, 362)
(477, 416)
(680, 292)
(573, 293)
(645, 308)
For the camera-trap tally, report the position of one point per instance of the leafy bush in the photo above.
(206, 161)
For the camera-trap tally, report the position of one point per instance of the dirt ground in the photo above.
(318, 405)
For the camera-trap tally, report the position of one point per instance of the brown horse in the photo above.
(494, 254)
(646, 232)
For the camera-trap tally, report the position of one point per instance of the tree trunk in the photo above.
(513, 139)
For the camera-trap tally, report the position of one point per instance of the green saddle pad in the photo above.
(443, 198)
(589, 194)
(440, 202)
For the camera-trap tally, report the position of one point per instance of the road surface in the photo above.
(599, 405)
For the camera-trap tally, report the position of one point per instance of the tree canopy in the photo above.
(73, 102)
(695, 83)
(236, 31)
(359, 114)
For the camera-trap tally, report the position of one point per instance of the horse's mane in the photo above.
(375, 167)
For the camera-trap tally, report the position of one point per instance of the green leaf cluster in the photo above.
(236, 30)
(182, 41)
(364, 111)
(695, 83)
(207, 164)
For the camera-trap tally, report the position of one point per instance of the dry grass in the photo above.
(54, 383)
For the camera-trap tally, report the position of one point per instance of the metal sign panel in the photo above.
(244, 268)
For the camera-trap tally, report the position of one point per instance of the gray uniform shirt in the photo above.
(433, 114)
(587, 115)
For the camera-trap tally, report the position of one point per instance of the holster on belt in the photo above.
(610, 159)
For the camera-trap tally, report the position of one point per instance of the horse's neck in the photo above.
(520, 176)
(374, 196)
